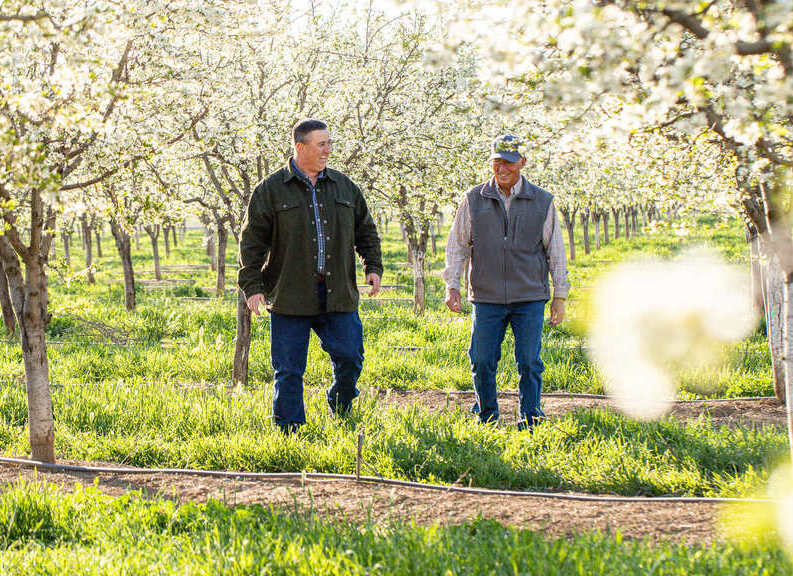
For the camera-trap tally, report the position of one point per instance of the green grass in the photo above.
(125, 404)
(176, 340)
(43, 531)
(586, 450)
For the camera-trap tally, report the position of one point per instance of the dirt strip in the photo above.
(731, 413)
(348, 500)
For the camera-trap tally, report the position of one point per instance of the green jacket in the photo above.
(278, 243)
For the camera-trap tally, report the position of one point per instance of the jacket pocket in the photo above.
(345, 214)
(287, 213)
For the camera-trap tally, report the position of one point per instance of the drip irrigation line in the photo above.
(371, 480)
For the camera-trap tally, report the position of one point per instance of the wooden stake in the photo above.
(360, 455)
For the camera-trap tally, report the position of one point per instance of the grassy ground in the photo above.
(178, 340)
(45, 532)
(129, 404)
(587, 450)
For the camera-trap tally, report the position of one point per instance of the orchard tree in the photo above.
(65, 69)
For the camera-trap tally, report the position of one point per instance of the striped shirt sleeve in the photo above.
(553, 241)
(458, 247)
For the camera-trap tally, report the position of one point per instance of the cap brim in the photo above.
(508, 156)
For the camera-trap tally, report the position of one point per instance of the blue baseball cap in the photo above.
(507, 147)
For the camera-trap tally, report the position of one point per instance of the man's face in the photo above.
(313, 153)
(507, 173)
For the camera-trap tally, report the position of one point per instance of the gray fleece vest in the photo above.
(508, 260)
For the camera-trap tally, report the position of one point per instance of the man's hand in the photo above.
(254, 302)
(557, 311)
(453, 300)
(374, 281)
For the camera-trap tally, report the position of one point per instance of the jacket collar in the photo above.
(292, 171)
(490, 190)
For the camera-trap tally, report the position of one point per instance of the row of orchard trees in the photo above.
(133, 113)
(616, 190)
(127, 113)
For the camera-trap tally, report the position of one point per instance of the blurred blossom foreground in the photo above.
(652, 318)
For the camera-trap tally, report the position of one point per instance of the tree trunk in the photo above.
(418, 250)
(606, 228)
(616, 223)
(37, 370)
(242, 346)
(596, 218)
(756, 270)
(774, 296)
(137, 239)
(435, 231)
(67, 253)
(29, 298)
(635, 221)
(220, 285)
(627, 214)
(154, 234)
(89, 264)
(569, 222)
(7, 308)
(788, 336)
(166, 232)
(173, 233)
(209, 236)
(183, 231)
(98, 234)
(124, 246)
(585, 225)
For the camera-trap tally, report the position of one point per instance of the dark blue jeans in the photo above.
(489, 326)
(341, 336)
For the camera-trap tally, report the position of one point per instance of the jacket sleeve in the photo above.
(367, 241)
(255, 242)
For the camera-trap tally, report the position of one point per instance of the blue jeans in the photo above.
(341, 336)
(489, 326)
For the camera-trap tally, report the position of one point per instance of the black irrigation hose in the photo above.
(372, 480)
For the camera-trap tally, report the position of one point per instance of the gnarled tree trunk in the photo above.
(7, 308)
(166, 238)
(616, 213)
(89, 264)
(773, 283)
(627, 214)
(29, 297)
(418, 251)
(585, 225)
(98, 234)
(596, 218)
(154, 235)
(606, 228)
(124, 247)
(220, 285)
(67, 253)
(569, 222)
(242, 344)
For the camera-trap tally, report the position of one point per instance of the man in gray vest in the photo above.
(509, 229)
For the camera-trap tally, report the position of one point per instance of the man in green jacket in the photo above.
(302, 227)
